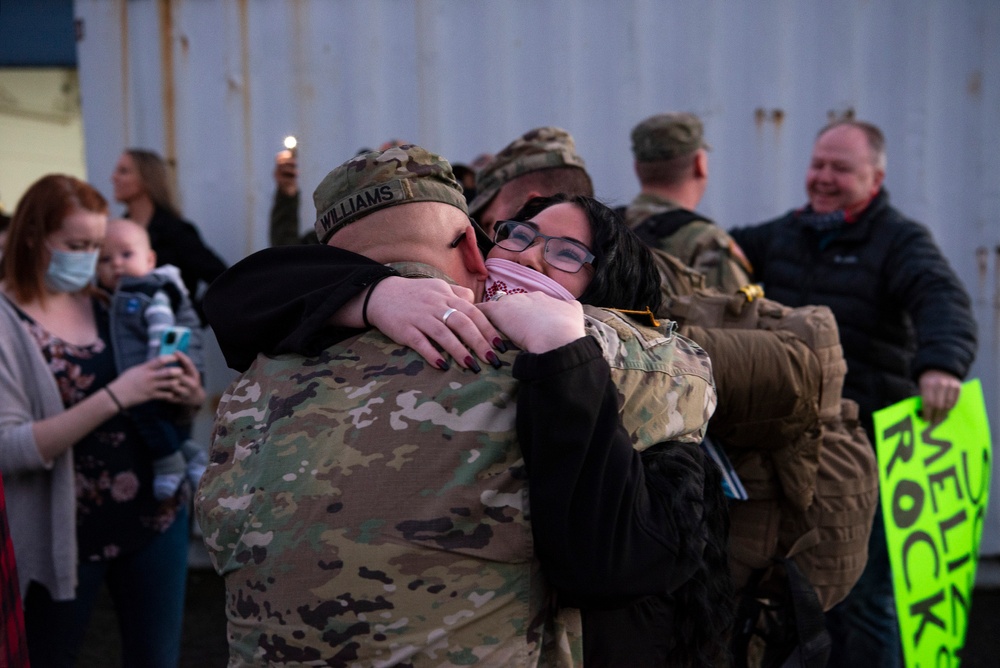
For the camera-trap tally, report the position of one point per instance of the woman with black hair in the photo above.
(688, 624)
(621, 272)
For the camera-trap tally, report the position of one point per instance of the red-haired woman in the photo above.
(77, 475)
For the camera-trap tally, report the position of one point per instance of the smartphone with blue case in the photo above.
(175, 339)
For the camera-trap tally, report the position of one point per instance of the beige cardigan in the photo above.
(41, 501)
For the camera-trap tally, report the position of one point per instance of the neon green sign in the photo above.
(934, 488)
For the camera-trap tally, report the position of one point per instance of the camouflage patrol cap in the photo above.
(541, 148)
(667, 136)
(379, 179)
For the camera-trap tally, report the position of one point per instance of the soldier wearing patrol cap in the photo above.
(368, 508)
(671, 161)
(539, 163)
(379, 179)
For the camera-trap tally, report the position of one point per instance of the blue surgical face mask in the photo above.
(71, 271)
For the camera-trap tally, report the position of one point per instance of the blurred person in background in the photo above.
(905, 323)
(148, 302)
(671, 163)
(13, 642)
(283, 221)
(77, 475)
(4, 224)
(539, 163)
(142, 184)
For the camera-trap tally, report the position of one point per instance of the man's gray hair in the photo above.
(874, 136)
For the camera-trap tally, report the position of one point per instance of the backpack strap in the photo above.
(814, 643)
(665, 224)
(790, 629)
(748, 614)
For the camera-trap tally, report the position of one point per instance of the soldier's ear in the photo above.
(701, 164)
(472, 257)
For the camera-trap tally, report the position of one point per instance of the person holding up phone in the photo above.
(152, 315)
(284, 217)
(77, 474)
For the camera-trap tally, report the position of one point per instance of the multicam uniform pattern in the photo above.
(700, 244)
(664, 380)
(367, 509)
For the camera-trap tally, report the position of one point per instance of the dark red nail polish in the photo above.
(499, 345)
(493, 359)
(441, 364)
(472, 364)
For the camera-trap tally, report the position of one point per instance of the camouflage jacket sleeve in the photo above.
(604, 532)
(665, 387)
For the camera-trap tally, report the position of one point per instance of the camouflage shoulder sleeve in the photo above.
(709, 249)
(664, 380)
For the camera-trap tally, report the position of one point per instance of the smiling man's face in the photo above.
(843, 174)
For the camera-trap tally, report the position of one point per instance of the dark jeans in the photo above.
(863, 627)
(147, 588)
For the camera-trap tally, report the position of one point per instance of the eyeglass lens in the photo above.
(563, 254)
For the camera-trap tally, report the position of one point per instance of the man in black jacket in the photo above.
(905, 324)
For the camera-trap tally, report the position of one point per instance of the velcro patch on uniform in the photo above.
(358, 203)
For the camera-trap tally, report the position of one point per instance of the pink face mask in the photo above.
(512, 278)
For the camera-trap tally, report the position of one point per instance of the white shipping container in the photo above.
(216, 85)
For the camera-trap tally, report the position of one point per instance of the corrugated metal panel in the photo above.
(466, 77)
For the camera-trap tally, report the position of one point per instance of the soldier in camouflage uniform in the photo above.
(539, 163)
(671, 161)
(366, 508)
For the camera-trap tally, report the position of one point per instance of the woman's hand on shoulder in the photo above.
(536, 322)
(421, 312)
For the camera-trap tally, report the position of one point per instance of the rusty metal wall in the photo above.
(215, 86)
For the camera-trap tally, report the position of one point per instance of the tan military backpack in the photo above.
(799, 542)
(807, 465)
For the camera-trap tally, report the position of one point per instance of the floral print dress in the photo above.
(116, 511)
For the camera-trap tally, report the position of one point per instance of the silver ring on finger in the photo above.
(447, 314)
(500, 294)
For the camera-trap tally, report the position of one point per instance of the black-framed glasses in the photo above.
(563, 254)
